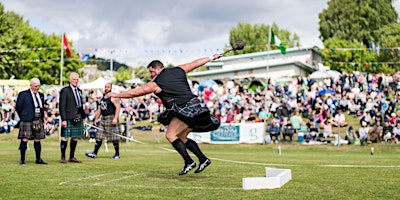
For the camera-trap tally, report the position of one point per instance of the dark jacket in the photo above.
(68, 104)
(25, 106)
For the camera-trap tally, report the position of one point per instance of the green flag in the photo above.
(275, 41)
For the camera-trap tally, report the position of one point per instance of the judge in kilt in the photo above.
(108, 130)
(30, 109)
(183, 113)
(72, 117)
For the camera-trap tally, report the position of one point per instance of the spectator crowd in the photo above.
(303, 106)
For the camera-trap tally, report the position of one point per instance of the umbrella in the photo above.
(208, 83)
(326, 91)
(334, 73)
(320, 74)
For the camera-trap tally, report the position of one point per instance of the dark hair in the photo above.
(155, 64)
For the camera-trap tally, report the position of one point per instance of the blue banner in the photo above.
(226, 134)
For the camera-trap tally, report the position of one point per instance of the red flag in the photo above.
(66, 46)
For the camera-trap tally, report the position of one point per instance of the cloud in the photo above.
(174, 30)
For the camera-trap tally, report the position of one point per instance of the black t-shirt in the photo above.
(175, 87)
(107, 107)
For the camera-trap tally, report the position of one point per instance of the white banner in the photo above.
(232, 134)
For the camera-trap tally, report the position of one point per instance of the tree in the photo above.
(142, 73)
(10, 42)
(389, 38)
(256, 37)
(361, 27)
(356, 20)
(29, 52)
(347, 56)
(123, 74)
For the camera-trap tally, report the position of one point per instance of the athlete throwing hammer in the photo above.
(183, 113)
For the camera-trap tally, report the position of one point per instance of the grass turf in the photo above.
(148, 171)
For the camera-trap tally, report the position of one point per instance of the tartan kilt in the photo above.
(192, 114)
(25, 131)
(107, 130)
(73, 131)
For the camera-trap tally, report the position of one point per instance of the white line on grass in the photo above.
(89, 177)
(364, 166)
(113, 180)
(252, 163)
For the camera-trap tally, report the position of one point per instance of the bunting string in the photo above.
(179, 51)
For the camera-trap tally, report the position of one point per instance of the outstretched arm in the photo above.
(140, 91)
(199, 62)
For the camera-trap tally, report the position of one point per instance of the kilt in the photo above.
(73, 131)
(107, 130)
(192, 114)
(26, 131)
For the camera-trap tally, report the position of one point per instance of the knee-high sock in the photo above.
(116, 147)
(73, 147)
(22, 148)
(97, 146)
(63, 146)
(38, 149)
(193, 147)
(181, 148)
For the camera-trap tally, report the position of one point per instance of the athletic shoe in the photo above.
(116, 156)
(91, 155)
(187, 168)
(203, 165)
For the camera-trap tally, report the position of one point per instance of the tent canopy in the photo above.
(97, 84)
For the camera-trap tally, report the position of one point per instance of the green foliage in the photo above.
(364, 25)
(346, 60)
(142, 73)
(358, 20)
(24, 59)
(256, 37)
(123, 74)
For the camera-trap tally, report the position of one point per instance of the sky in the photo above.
(174, 31)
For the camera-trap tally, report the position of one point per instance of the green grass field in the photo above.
(148, 171)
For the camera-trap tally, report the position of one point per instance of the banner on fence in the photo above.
(232, 134)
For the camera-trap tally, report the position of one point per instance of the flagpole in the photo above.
(61, 78)
(267, 67)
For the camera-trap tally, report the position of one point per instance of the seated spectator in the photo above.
(296, 120)
(396, 133)
(287, 130)
(363, 133)
(312, 133)
(365, 117)
(274, 129)
(327, 126)
(350, 135)
(387, 131)
(340, 119)
(263, 114)
(143, 110)
(376, 133)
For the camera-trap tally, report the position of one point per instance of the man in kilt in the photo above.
(30, 109)
(108, 129)
(183, 113)
(72, 117)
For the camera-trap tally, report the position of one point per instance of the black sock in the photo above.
(63, 146)
(181, 148)
(116, 147)
(38, 149)
(73, 147)
(97, 146)
(194, 148)
(22, 148)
